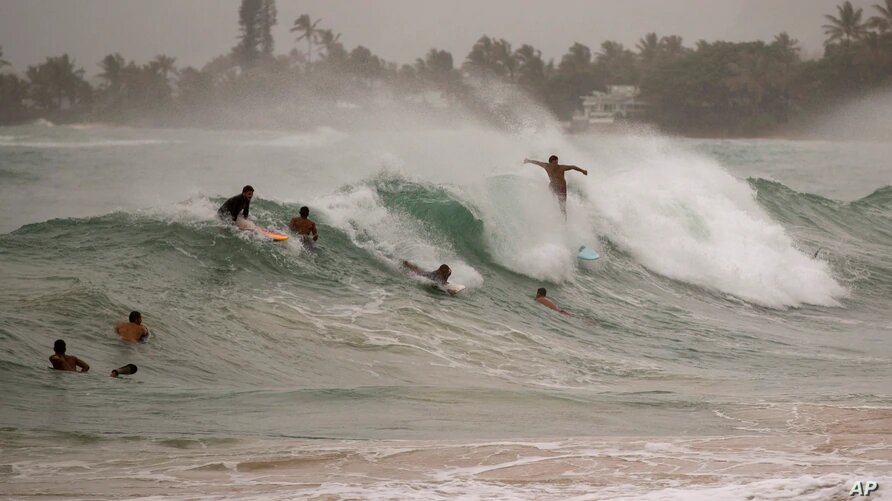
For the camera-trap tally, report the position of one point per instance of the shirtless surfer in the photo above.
(133, 330)
(63, 362)
(541, 299)
(440, 275)
(556, 180)
(304, 226)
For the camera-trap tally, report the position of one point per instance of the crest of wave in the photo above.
(390, 235)
(683, 216)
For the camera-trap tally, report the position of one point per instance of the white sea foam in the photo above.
(683, 216)
(797, 466)
(197, 208)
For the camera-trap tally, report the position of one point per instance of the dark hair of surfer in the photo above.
(247, 188)
(552, 158)
(541, 291)
(304, 211)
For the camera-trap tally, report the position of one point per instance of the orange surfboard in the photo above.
(275, 235)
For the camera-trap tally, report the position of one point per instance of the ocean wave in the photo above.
(683, 216)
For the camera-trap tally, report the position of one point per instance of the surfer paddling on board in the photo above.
(541, 299)
(238, 204)
(440, 275)
(63, 362)
(304, 226)
(556, 180)
(133, 330)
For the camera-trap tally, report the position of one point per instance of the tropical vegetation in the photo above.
(719, 87)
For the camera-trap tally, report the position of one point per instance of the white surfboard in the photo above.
(586, 253)
(452, 289)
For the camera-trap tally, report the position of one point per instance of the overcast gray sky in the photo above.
(194, 31)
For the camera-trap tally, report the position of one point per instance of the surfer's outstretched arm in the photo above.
(573, 167)
(534, 162)
(412, 267)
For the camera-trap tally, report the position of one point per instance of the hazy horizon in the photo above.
(195, 31)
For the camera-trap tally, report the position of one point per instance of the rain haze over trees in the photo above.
(700, 87)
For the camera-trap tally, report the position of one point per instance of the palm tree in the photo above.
(648, 47)
(505, 57)
(331, 51)
(846, 27)
(267, 19)
(438, 70)
(883, 22)
(166, 65)
(578, 59)
(326, 40)
(491, 57)
(13, 92)
(530, 69)
(750, 76)
(672, 45)
(194, 86)
(786, 42)
(308, 32)
(55, 80)
(112, 67)
(617, 62)
(788, 46)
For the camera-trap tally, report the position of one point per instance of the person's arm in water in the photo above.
(535, 162)
(245, 210)
(412, 267)
(549, 304)
(83, 365)
(573, 167)
(313, 231)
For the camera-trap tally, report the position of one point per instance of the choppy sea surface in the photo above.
(732, 343)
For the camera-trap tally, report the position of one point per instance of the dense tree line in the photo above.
(712, 87)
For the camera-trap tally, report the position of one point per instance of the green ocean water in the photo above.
(734, 273)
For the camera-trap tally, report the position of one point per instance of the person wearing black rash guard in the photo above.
(239, 203)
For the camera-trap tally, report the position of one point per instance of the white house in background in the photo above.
(619, 103)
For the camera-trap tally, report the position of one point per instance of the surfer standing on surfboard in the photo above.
(557, 183)
(239, 203)
(304, 226)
